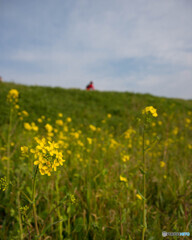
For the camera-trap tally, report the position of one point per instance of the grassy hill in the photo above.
(90, 164)
(87, 106)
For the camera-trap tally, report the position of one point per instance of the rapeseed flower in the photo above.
(13, 96)
(81, 144)
(17, 106)
(93, 128)
(4, 158)
(47, 156)
(188, 121)
(34, 127)
(190, 146)
(69, 119)
(75, 134)
(60, 114)
(139, 196)
(24, 149)
(162, 164)
(59, 122)
(125, 158)
(25, 113)
(150, 109)
(122, 179)
(129, 132)
(72, 198)
(90, 140)
(3, 183)
(27, 126)
(48, 127)
(39, 120)
(175, 130)
(113, 143)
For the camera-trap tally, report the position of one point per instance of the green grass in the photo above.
(105, 207)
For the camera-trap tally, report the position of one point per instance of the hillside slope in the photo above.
(87, 106)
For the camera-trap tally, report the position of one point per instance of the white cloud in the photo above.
(94, 33)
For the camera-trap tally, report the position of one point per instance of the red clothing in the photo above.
(90, 87)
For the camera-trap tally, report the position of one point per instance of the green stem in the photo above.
(89, 193)
(144, 187)
(8, 144)
(33, 200)
(58, 209)
(69, 222)
(19, 212)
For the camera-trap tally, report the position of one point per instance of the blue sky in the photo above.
(123, 45)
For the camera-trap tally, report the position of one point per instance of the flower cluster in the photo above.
(122, 179)
(13, 96)
(59, 122)
(23, 211)
(31, 127)
(3, 183)
(47, 156)
(125, 158)
(139, 196)
(150, 109)
(24, 150)
(92, 127)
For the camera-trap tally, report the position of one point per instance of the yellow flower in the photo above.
(26, 114)
(34, 127)
(59, 122)
(60, 114)
(72, 198)
(122, 179)
(65, 129)
(150, 109)
(175, 130)
(17, 106)
(69, 119)
(129, 132)
(113, 143)
(162, 164)
(75, 135)
(69, 152)
(90, 140)
(12, 96)
(109, 115)
(190, 146)
(125, 158)
(93, 128)
(27, 126)
(188, 121)
(4, 158)
(48, 127)
(39, 120)
(139, 196)
(3, 183)
(24, 149)
(47, 156)
(80, 143)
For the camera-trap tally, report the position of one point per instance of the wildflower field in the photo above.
(93, 165)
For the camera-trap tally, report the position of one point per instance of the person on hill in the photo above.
(90, 86)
